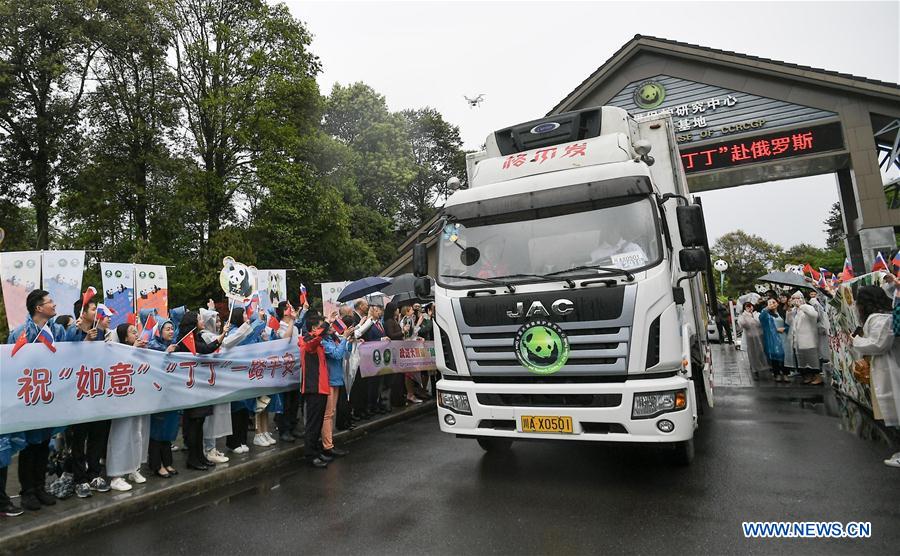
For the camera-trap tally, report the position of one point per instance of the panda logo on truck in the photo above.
(541, 347)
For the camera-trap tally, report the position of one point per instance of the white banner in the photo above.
(93, 381)
(330, 293)
(151, 288)
(118, 290)
(21, 273)
(62, 272)
(272, 288)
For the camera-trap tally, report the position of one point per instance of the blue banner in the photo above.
(92, 381)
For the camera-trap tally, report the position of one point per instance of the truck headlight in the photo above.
(457, 402)
(651, 404)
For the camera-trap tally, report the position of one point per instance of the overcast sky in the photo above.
(526, 56)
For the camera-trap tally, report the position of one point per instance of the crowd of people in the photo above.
(787, 334)
(113, 454)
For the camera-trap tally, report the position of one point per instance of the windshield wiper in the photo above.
(509, 287)
(542, 277)
(629, 276)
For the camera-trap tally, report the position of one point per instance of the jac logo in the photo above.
(559, 307)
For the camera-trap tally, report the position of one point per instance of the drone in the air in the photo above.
(474, 102)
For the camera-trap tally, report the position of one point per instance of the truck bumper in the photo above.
(601, 424)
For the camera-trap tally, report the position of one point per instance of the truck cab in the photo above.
(569, 289)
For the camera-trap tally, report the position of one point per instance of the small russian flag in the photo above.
(339, 326)
(880, 263)
(896, 260)
(303, 300)
(847, 273)
(104, 312)
(45, 336)
(822, 283)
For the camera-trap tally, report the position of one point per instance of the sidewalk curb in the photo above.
(115, 511)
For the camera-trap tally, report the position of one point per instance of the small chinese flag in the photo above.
(274, 323)
(189, 342)
(87, 296)
(19, 343)
(811, 271)
(132, 319)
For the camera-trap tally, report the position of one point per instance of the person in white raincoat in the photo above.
(752, 341)
(802, 318)
(876, 339)
(218, 425)
(129, 437)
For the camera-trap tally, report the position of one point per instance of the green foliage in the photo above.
(748, 257)
(834, 227)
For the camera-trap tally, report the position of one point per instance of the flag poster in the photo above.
(118, 290)
(20, 272)
(330, 293)
(272, 288)
(151, 287)
(62, 272)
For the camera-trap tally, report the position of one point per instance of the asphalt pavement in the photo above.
(767, 452)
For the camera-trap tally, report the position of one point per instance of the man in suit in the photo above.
(375, 333)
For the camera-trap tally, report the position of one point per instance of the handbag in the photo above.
(862, 370)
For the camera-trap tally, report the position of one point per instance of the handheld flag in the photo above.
(847, 273)
(189, 342)
(880, 263)
(45, 336)
(132, 319)
(807, 268)
(825, 272)
(896, 261)
(822, 283)
(274, 323)
(303, 300)
(104, 312)
(87, 296)
(149, 328)
(339, 326)
(252, 306)
(21, 341)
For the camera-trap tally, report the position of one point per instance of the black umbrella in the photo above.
(403, 290)
(363, 287)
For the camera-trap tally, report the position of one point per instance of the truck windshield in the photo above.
(523, 247)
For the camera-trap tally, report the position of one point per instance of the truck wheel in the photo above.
(682, 453)
(493, 444)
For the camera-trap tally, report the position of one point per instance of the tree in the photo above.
(748, 257)
(816, 257)
(834, 227)
(46, 49)
(236, 62)
(436, 146)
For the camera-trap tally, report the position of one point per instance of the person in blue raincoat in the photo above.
(36, 453)
(773, 339)
(164, 425)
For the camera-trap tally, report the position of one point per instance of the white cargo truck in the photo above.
(570, 288)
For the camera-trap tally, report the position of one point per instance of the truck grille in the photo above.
(551, 400)
(599, 332)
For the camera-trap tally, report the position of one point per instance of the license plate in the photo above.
(537, 423)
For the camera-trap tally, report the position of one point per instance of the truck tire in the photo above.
(491, 444)
(682, 453)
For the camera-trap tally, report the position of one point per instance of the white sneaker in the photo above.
(260, 439)
(894, 461)
(215, 457)
(136, 477)
(239, 450)
(120, 484)
(270, 438)
(244, 448)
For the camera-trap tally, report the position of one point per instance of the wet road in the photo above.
(767, 452)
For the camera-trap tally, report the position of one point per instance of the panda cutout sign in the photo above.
(238, 280)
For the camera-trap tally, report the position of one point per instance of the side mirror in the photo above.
(693, 259)
(690, 225)
(422, 287)
(420, 260)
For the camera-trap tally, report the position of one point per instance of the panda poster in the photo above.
(62, 272)
(151, 285)
(238, 280)
(20, 272)
(330, 293)
(272, 288)
(118, 290)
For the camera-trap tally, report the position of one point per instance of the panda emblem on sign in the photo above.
(238, 280)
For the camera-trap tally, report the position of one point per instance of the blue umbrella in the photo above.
(363, 287)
